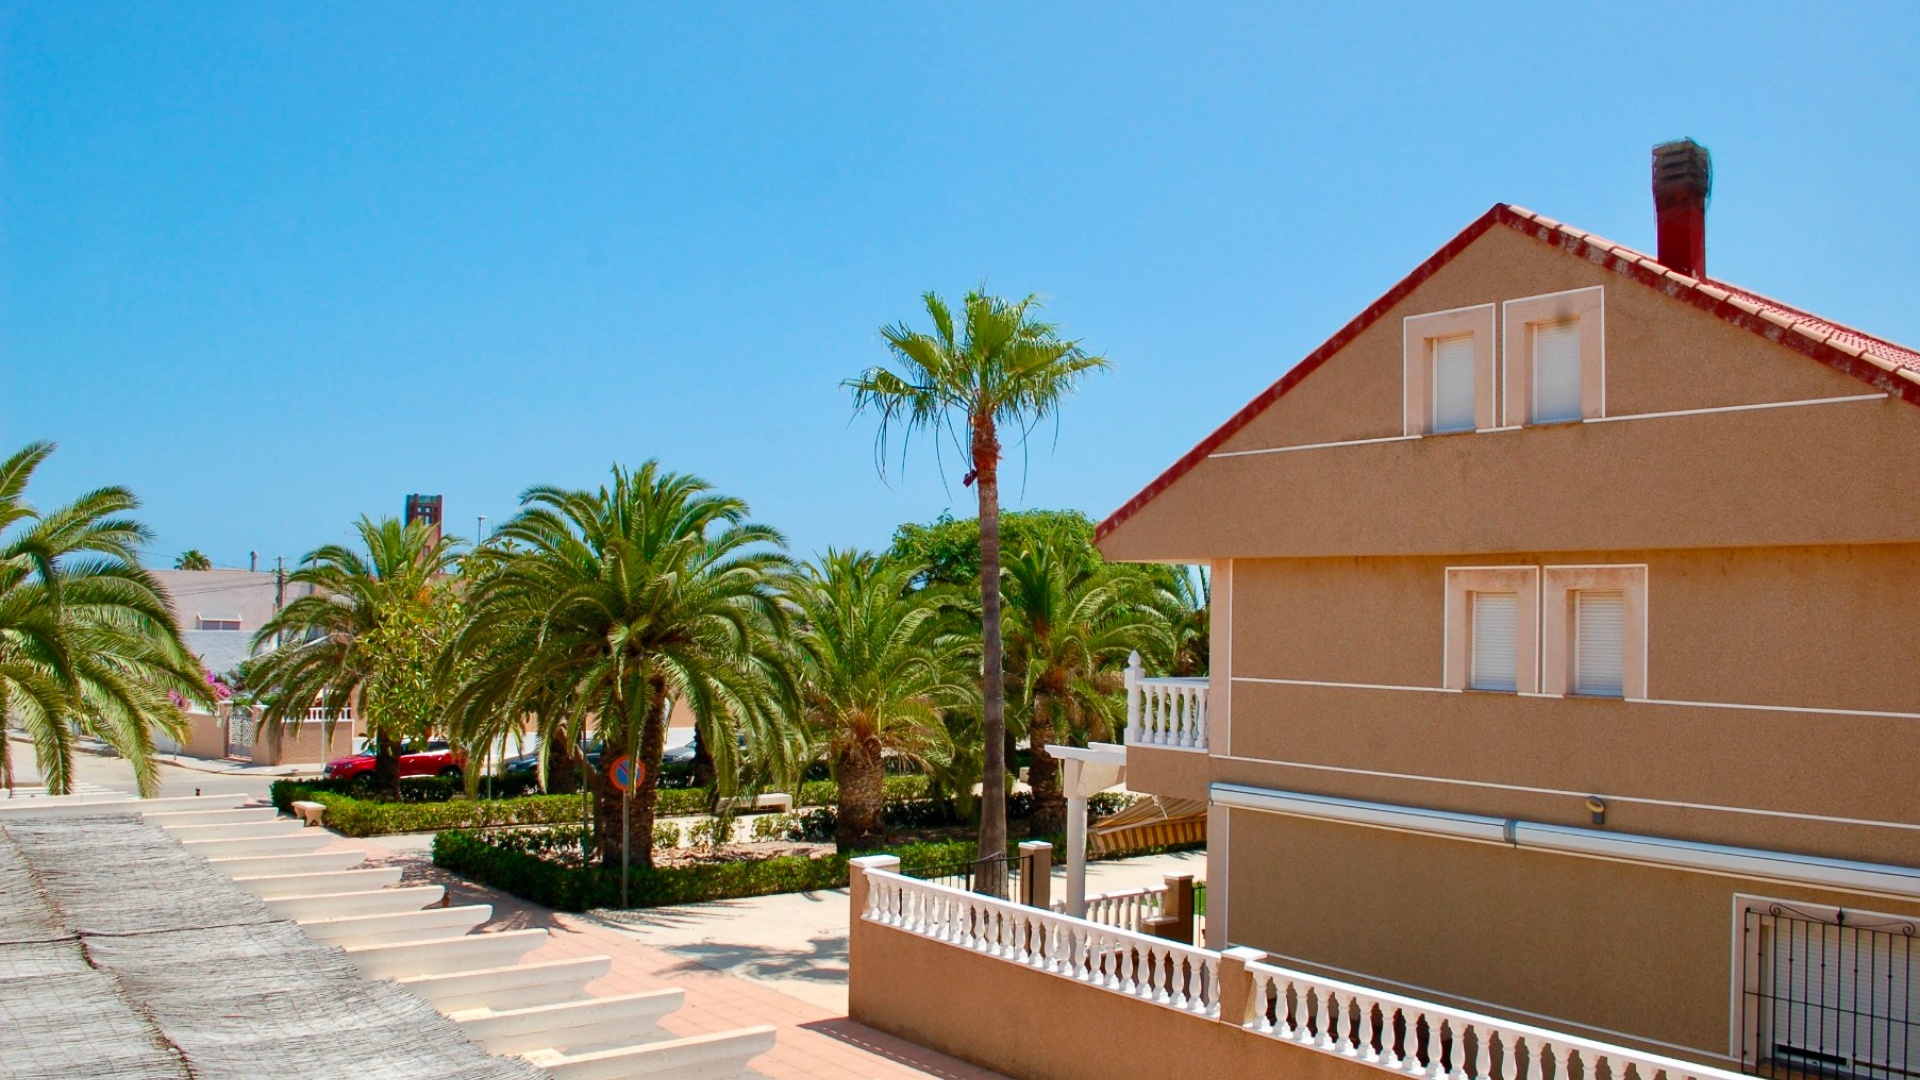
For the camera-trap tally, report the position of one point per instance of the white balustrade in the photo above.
(1384, 1030)
(319, 713)
(1165, 712)
(1152, 969)
(1419, 1038)
(1128, 909)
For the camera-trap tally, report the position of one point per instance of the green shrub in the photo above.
(508, 861)
(666, 834)
(413, 789)
(827, 793)
(349, 816)
(682, 802)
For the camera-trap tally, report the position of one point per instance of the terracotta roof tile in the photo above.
(1870, 359)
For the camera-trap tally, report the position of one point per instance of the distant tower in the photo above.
(425, 508)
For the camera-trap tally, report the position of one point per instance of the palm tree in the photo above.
(332, 643)
(601, 607)
(87, 641)
(193, 559)
(1002, 368)
(1072, 620)
(877, 661)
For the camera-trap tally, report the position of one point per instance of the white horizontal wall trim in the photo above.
(1880, 713)
(1588, 420)
(1734, 408)
(1560, 839)
(1643, 800)
(1342, 685)
(1313, 446)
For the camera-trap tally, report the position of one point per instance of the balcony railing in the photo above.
(1390, 1032)
(1165, 712)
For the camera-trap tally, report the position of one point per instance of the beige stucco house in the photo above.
(1566, 657)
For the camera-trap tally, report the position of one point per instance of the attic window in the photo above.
(218, 622)
(1447, 369)
(1556, 357)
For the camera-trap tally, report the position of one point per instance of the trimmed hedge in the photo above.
(513, 862)
(413, 789)
(349, 816)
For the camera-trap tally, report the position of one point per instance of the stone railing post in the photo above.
(1036, 874)
(1236, 986)
(1136, 730)
(857, 881)
(1175, 921)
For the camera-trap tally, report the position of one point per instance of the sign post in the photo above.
(625, 775)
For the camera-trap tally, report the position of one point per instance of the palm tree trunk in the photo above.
(702, 760)
(993, 690)
(1043, 774)
(608, 801)
(386, 764)
(564, 767)
(863, 797)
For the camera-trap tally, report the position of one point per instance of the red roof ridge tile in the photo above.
(1889, 367)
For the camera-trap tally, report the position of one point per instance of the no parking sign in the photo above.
(625, 774)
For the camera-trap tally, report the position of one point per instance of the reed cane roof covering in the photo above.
(123, 955)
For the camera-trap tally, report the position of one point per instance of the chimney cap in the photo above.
(1682, 172)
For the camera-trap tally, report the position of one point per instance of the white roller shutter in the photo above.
(1495, 647)
(1453, 383)
(1599, 630)
(1556, 372)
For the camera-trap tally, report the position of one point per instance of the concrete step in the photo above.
(722, 1055)
(83, 805)
(293, 843)
(572, 1025)
(429, 925)
(511, 986)
(229, 830)
(349, 905)
(274, 886)
(280, 865)
(246, 814)
(408, 958)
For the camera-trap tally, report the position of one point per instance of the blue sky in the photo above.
(277, 265)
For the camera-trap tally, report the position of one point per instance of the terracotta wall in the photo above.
(1780, 476)
(309, 745)
(1030, 1025)
(1617, 947)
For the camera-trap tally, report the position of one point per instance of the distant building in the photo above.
(219, 611)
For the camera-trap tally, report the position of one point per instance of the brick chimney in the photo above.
(425, 509)
(1682, 180)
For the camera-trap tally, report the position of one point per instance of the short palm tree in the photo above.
(878, 661)
(87, 642)
(1072, 618)
(601, 607)
(328, 645)
(1000, 367)
(193, 559)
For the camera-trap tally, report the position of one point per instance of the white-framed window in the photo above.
(1448, 371)
(1825, 991)
(1555, 368)
(1593, 640)
(217, 622)
(1493, 649)
(1452, 384)
(1599, 642)
(1492, 628)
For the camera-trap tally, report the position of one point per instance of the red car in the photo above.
(431, 758)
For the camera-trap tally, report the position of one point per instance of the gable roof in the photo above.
(1884, 365)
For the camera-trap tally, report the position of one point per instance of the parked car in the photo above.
(433, 757)
(523, 772)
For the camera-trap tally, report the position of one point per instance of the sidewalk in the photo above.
(813, 1042)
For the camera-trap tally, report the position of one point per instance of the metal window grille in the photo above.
(1829, 996)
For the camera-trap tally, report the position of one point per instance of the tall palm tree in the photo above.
(193, 559)
(1072, 620)
(87, 641)
(328, 643)
(1001, 367)
(877, 661)
(601, 607)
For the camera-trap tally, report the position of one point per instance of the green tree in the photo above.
(1072, 618)
(1000, 367)
(361, 628)
(947, 549)
(601, 607)
(87, 642)
(193, 559)
(877, 664)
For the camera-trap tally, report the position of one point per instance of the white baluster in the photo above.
(1135, 731)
